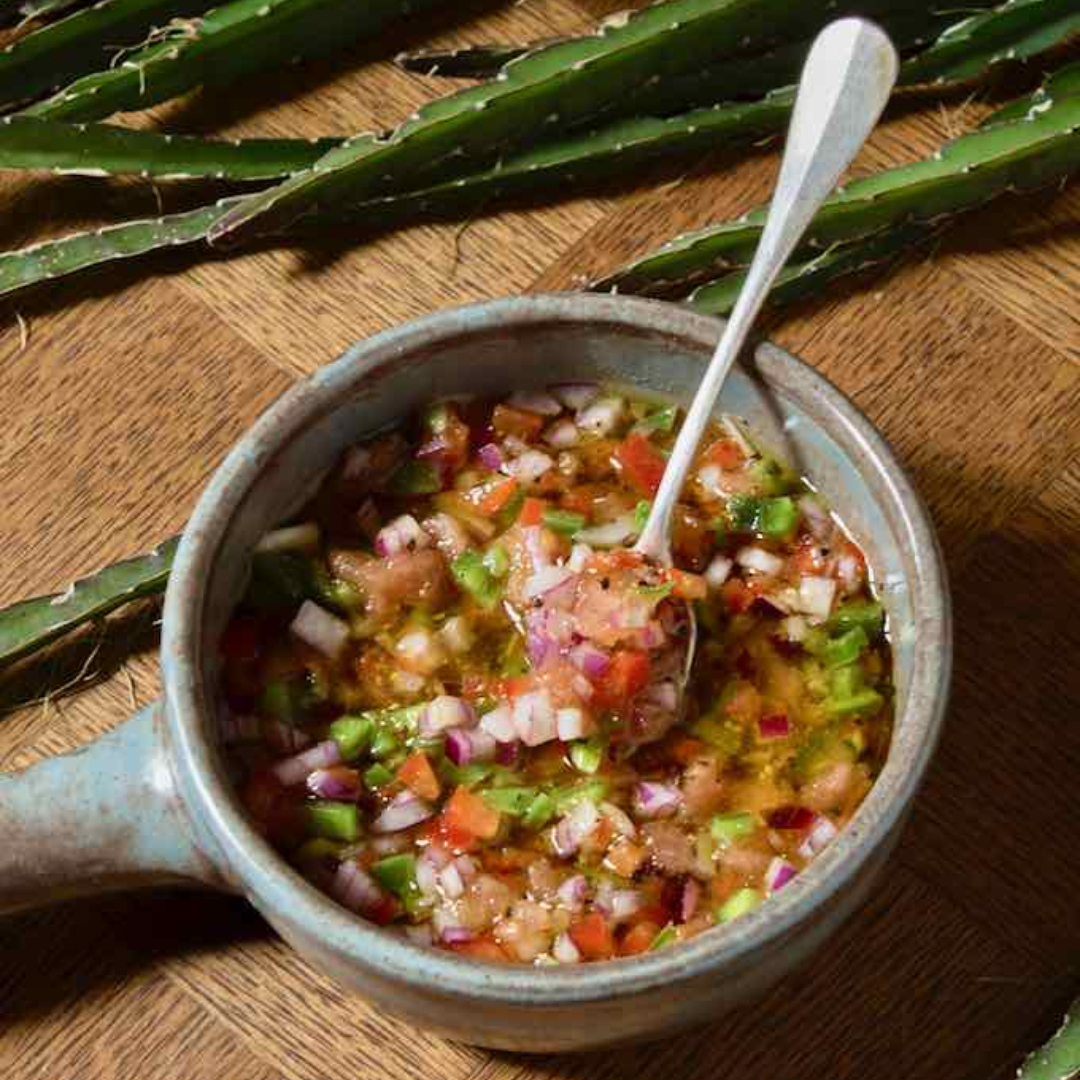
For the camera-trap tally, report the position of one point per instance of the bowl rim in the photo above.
(283, 895)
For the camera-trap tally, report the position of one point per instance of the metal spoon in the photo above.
(844, 86)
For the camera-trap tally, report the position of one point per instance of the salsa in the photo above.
(458, 702)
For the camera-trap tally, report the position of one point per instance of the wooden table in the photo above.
(129, 389)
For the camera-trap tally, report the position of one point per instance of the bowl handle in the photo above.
(104, 817)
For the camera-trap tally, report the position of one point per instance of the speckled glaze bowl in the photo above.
(150, 803)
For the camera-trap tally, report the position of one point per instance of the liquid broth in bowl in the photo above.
(456, 697)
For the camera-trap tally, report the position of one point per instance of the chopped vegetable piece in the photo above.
(847, 648)
(397, 874)
(642, 464)
(778, 518)
(473, 576)
(740, 902)
(540, 811)
(385, 744)
(468, 818)
(867, 615)
(415, 478)
(377, 776)
(587, 755)
(592, 936)
(514, 801)
(660, 420)
(563, 521)
(743, 513)
(666, 937)
(419, 777)
(352, 734)
(333, 820)
(727, 828)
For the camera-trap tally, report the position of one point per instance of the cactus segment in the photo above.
(566, 84)
(81, 42)
(1040, 148)
(472, 62)
(800, 280)
(1014, 30)
(103, 149)
(235, 39)
(12, 11)
(1059, 1058)
(33, 624)
(69, 254)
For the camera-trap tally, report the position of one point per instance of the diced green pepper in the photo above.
(283, 700)
(845, 682)
(509, 513)
(772, 477)
(661, 420)
(352, 734)
(333, 820)
(377, 776)
(869, 615)
(816, 641)
(496, 561)
(473, 577)
(778, 518)
(541, 810)
(587, 755)
(415, 478)
(725, 829)
(847, 648)
(740, 902)
(723, 735)
(742, 513)
(514, 801)
(318, 848)
(641, 515)
(464, 775)
(278, 581)
(397, 874)
(384, 744)
(864, 702)
(656, 592)
(565, 798)
(513, 660)
(665, 938)
(334, 593)
(563, 521)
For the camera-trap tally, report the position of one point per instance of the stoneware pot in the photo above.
(150, 803)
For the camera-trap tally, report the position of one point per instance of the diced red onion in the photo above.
(491, 456)
(437, 855)
(538, 645)
(342, 785)
(664, 694)
(356, 889)
(547, 580)
(427, 877)
(575, 395)
(718, 571)
(711, 478)
(602, 416)
(456, 935)
(688, 903)
(582, 687)
(419, 934)
(284, 738)
(619, 819)
(499, 723)
(564, 950)
(402, 534)
(590, 659)
(450, 880)
(534, 544)
(652, 636)
(816, 595)
(572, 830)
(610, 534)
(759, 560)
(580, 554)
(534, 718)
(653, 800)
(514, 447)
(464, 746)
(304, 537)
(444, 713)
(778, 873)
(817, 517)
(573, 723)
(507, 753)
(534, 401)
(404, 812)
(390, 844)
(572, 892)
(420, 651)
(624, 903)
(448, 533)
(315, 626)
(529, 467)
(294, 770)
(821, 834)
(562, 434)
(466, 866)
(774, 726)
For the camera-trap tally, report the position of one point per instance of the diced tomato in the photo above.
(578, 500)
(726, 453)
(419, 777)
(656, 914)
(642, 464)
(510, 421)
(638, 938)
(532, 512)
(491, 497)
(385, 911)
(242, 641)
(626, 675)
(687, 586)
(481, 948)
(592, 935)
(467, 818)
(516, 685)
(685, 749)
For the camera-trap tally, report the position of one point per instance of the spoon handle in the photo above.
(845, 84)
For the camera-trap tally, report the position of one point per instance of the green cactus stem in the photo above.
(103, 149)
(1059, 1058)
(230, 41)
(33, 624)
(551, 89)
(471, 62)
(1039, 148)
(81, 42)
(14, 11)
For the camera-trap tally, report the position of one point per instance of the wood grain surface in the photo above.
(130, 387)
